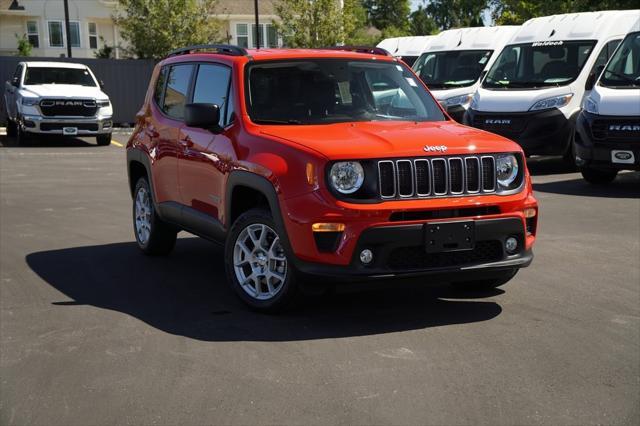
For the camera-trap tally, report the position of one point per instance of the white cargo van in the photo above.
(608, 129)
(406, 48)
(453, 64)
(533, 92)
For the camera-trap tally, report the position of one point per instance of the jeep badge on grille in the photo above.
(435, 148)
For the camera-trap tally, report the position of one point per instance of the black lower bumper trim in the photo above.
(399, 251)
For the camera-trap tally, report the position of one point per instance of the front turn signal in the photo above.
(529, 213)
(327, 227)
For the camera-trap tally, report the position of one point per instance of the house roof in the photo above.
(244, 7)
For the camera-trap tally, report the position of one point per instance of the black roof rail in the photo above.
(220, 49)
(362, 49)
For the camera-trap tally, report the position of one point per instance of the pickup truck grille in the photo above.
(436, 176)
(68, 107)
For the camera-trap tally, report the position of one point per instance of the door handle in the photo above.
(186, 142)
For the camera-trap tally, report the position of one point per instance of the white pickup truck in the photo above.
(57, 98)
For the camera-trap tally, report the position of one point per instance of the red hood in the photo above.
(397, 139)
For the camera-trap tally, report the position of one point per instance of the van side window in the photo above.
(212, 87)
(175, 96)
(605, 54)
(159, 90)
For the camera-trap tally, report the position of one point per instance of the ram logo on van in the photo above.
(624, 127)
(497, 121)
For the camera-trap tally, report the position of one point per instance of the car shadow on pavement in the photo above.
(48, 141)
(187, 294)
(626, 185)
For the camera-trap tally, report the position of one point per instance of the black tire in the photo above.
(161, 236)
(21, 136)
(487, 284)
(11, 128)
(104, 140)
(288, 290)
(597, 176)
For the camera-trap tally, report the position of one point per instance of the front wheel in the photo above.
(154, 237)
(257, 265)
(488, 284)
(21, 135)
(598, 177)
(103, 140)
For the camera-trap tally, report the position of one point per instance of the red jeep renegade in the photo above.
(333, 163)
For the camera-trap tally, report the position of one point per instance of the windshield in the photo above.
(455, 68)
(623, 70)
(41, 75)
(326, 91)
(538, 64)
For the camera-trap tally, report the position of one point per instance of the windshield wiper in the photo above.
(269, 121)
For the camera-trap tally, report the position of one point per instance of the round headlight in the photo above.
(346, 177)
(506, 170)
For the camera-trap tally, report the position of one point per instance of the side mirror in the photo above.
(591, 80)
(204, 116)
(101, 84)
(15, 81)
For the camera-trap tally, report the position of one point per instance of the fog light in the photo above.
(366, 256)
(529, 213)
(511, 245)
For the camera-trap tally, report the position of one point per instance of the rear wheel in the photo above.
(487, 284)
(103, 140)
(597, 176)
(11, 128)
(154, 237)
(257, 265)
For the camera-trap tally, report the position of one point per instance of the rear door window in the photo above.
(177, 91)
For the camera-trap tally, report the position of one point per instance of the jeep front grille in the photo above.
(68, 107)
(436, 177)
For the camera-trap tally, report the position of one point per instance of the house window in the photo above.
(55, 34)
(74, 33)
(272, 36)
(32, 33)
(93, 35)
(242, 34)
(255, 35)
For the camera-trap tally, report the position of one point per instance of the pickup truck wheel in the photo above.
(598, 177)
(257, 265)
(21, 135)
(154, 237)
(487, 284)
(104, 140)
(11, 128)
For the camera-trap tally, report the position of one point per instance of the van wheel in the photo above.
(104, 140)
(487, 284)
(597, 176)
(11, 128)
(258, 268)
(154, 237)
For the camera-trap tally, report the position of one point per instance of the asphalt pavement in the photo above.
(94, 333)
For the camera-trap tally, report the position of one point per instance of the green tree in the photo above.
(421, 23)
(457, 13)
(320, 23)
(389, 16)
(152, 28)
(506, 12)
(105, 52)
(24, 46)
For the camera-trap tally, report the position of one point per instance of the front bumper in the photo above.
(86, 126)
(398, 243)
(595, 141)
(546, 132)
